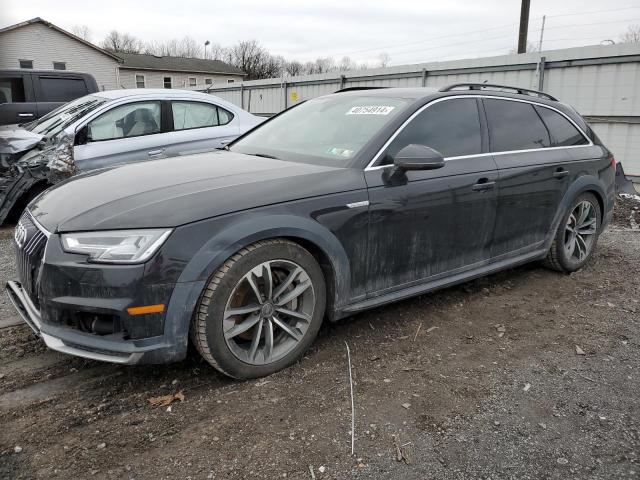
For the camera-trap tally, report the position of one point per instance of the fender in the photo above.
(582, 184)
(250, 229)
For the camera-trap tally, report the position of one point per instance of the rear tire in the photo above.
(577, 235)
(261, 310)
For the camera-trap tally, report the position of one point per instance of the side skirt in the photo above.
(430, 286)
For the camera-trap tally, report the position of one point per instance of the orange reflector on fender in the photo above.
(159, 308)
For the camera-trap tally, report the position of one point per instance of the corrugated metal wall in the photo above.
(601, 82)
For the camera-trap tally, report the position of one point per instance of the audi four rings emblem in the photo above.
(20, 235)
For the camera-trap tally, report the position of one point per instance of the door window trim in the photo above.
(371, 165)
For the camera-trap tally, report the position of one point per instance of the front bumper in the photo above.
(78, 343)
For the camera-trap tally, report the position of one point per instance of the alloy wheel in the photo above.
(580, 231)
(268, 312)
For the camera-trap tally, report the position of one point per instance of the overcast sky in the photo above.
(409, 31)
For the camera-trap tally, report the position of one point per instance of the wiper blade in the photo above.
(264, 155)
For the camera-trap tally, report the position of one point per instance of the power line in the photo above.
(511, 26)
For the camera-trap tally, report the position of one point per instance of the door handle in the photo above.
(156, 152)
(560, 173)
(25, 115)
(484, 184)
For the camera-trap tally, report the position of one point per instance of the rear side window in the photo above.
(452, 127)
(11, 90)
(563, 132)
(187, 115)
(54, 89)
(515, 126)
(131, 120)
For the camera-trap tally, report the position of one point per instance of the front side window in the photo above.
(59, 66)
(26, 64)
(192, 81)
(11, 90)
(452, 127)
(563, 132)
(328, 130)
(139, 81)
(515, 126)
(131, 120)
(167, 82)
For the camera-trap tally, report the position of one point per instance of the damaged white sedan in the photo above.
(109, 128)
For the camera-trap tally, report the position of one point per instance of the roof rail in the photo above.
(353, 89)
(489, 86)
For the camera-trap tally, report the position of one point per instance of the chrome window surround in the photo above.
(370, 165)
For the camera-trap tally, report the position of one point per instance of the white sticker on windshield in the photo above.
(370, 110)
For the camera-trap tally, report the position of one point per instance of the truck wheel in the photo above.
(260, 310)
(577, 235)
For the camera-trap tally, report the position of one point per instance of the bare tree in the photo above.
(632, 35)
(383, 60)
(294, 68)
(122, 42)
(346, 64)
(82, 31)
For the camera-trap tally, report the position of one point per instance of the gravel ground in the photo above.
(526, 374)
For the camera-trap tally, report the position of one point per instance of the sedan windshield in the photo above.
(54, 122)
(327, 130)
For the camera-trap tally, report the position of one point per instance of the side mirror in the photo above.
(418, 157)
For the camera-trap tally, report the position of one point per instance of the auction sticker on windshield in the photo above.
(370, 110)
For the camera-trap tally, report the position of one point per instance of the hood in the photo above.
(16, 140)
(180, 190)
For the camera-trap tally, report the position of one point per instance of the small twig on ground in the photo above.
(417, 332)
(353, 409)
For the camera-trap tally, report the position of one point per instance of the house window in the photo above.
(230, 80)
(26, 64)
(139, 81)
(167, 82)
(208, 81)
(59, 66)
(192, 81)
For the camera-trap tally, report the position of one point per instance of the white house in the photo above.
(152, 71)
(38, 44)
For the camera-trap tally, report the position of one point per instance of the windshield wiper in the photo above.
(264, 155)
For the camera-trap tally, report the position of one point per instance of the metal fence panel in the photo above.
(599, 81)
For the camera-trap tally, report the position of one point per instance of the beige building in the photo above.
(150, 71)
(40, 45)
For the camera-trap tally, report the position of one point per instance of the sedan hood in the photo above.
(16, 140)
(180, 190)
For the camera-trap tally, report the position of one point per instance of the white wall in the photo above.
(155, 79)
(45, 45)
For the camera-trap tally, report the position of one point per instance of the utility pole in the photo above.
(544, 18)
(524, 26)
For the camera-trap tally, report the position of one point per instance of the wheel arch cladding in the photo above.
(320, 242)
(584, 184)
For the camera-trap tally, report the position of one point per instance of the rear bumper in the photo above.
(94, 347)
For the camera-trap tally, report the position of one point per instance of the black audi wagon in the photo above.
(340, 204)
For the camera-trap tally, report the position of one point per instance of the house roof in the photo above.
(64, 32)
(140, 61)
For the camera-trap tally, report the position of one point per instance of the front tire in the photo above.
(577, 235)
(261, 310)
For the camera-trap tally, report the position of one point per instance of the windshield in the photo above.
(54, 122)
(325, 130)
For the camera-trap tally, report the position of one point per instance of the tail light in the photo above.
(613, 161)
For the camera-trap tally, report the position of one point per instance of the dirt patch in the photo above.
(477, 381)
(627, 212)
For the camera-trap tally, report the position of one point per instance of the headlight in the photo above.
(117, 246)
